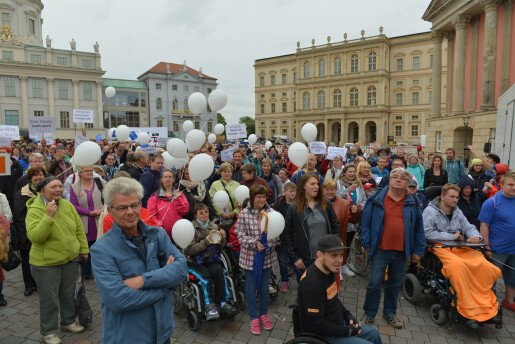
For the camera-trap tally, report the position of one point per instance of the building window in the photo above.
(209, 126)
(87, 90)
(283, 94)
(261, 81)
(175, 104)
(414, 130)
(354, 63)
(272, 122)
(11, 117)
(398, 98)
(7, 55)
(337, 98)
(159, 104)
(415, 98)
(285, 108)
(262, 96)
(262, 108)
(416, 62)
(321, 100)
(174, 87)
(62, 60)
(39, 113)
(159, 123)
(306, 70)
(398, 118)
(399, 83)
(398, 130)
(185, 104)
(294, 106)
(37, 88)
(321, 68)
(272, 80)
(64, 119)
(305, 101)
(32, 27)
(431, 60)
(88, 125)
(10, 87)
(158, 86)
(430, 96)
(272, 95)
(294, 76)
(186, 88)
(400, 64)
(196, 88)
(285, 132)
(35, 58)
(272, 108)
(415, 82)
(354, 96)
(6, 19)
(86, 63)
(283, 79)
(372, 58)
(438, 141)
(197, 124)
(262, 133)
(175, 126)
(143, 99)
(337, 66)
(62, 86)
(414, 117)
(284, 123)
(371, 95)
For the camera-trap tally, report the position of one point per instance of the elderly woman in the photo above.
(249, 234)
(58, 240)
(229, 213)
(19, 231)
(336, 168)
(86, 196)
(195, 193)
(364, 172)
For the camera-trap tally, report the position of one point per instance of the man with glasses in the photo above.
(135, 265)
(35, 159)
(392, 230)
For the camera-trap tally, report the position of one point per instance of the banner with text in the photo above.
(317, 147)
(10, 131)
(333, 151)
(39, 125)
(83, 116)
(226, 154)
(236, 131)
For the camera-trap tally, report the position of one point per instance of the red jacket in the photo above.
(291, 168)
(166, 212)
(233, 238)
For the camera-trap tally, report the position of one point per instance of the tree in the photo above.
(250, 123)
(220, 119)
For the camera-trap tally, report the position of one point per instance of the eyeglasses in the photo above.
(87, 171)
(34, 161)
(124, 208)
(399, 177)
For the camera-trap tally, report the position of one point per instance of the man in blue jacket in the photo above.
(454, 167)
(392, 230)
(135, 266)
(151, 178)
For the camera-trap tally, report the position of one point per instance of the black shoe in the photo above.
(211, 312)
(393, 321)
(2, 301)
(366, 320)
(471, 324)
(497, 320)
(229, 311)
(28, 291)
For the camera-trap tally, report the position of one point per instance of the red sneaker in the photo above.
(507, 305)
(265, 321)
(254, 327)
(284, 287)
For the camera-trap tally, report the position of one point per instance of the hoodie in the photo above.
(471, 207)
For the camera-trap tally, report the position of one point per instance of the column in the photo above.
(473, 64)
(489, 53)
(75, 94)
(448, 94)
(436, 105)
(506, 46)
(24, 102)
(327, 131)
(100, 108)
(342, 132)
(51, 99)
(458, 99)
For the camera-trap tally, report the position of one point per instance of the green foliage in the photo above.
(251, 124)
(220, 119)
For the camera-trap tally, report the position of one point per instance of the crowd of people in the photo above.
(107, 217)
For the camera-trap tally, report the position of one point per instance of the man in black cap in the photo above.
(321, 310)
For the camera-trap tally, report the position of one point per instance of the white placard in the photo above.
(80, 139)
(236, 131)
(317, 147)
(226, 154)
(10, 131)
(83, 116)
(333, 151)
(38, 125)
(5, 141)
(158, 135)
(49, 138)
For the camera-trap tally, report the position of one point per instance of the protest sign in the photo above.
(333, 151)
(79, 139)
(236, 131)
(10, 131)
(5, 142)
(148, 149)
(83, 116)
(317, 147)
(39, 125)
(226, 154)
(49, 137)
(5, 164)
(158, 135)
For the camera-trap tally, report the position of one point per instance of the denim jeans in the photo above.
(368, 335)
(262, 289)
(282, 256)
(397, 264)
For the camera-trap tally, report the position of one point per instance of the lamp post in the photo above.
(110, 92)
(466, 121)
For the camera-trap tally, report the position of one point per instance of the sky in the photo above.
(224, 37)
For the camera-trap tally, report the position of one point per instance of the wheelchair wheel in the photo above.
(193, 320)
(226, 262)
(358, 257)
(307, 340)
(177, 299)
(438, 314)
(411, 288)
(240, 299)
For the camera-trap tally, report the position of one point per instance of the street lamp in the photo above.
(110, 92)
(466, 121)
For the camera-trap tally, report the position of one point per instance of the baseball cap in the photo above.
(412, 183)
(330, 242)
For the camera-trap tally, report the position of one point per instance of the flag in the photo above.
(133, 136)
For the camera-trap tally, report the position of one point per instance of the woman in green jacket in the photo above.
(58, 241)
(229, 213)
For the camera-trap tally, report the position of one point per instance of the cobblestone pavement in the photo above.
(19, 321)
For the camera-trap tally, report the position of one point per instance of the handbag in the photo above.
(82, 307)
(13, 260)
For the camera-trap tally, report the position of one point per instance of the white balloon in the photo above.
(268, 144)
(143, 138)
(219, 129)
(252, 139)
(200, 168)
(298, 154)
(275, 225)
(177, 148)
(211, 138)
(178, 163)
(110, 92)
(195, 139)
(122, 132)
(221, 199)
(309, 132)
(183, 233)
(241, 193)
(217, 100)
(187, 126)
(87, 154)
(197, 103)
(167, 160)
(111, 134)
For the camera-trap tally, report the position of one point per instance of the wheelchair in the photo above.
(426, 279)
(358, 255)
(302, 336)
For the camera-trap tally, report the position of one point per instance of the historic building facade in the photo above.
(358, 90)
(169, 86)
(37, 79)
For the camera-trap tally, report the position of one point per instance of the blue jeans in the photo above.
(262, 289)
(368, 335)
(282, 256)
(397, 264)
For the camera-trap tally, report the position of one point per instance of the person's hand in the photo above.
(474, 240)
(488, 185)
(457, 236)
(299, 264)
(353, 209)
(134, 282)
(260, 246)
(170, 260)
(488, 253)
(415, 259)
(355, 327)
(51, 209)
(351, 188)
(84, 257)
(222, 233)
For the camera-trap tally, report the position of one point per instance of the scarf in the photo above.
(190, 186)
(348, 182)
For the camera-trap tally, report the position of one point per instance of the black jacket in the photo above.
(135, 172)
(8, 183)
(19, 231)
(472, 207)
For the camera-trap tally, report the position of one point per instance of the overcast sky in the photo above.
(224, 37)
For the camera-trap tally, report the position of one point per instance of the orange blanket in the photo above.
(472, 277)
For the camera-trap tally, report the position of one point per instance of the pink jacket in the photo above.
(165, 211)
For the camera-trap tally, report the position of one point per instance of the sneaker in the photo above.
(72, 328)
(51, 339)
(229, 311)
(508, 305)
(393, 322)
(265, 321)
(284, 287)
(271, 290)
(366, 320)
(212, 312)
(2, 300)
(254, 327)
(347, 271)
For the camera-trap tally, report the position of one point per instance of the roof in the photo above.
(122, 83)
(175, 68)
